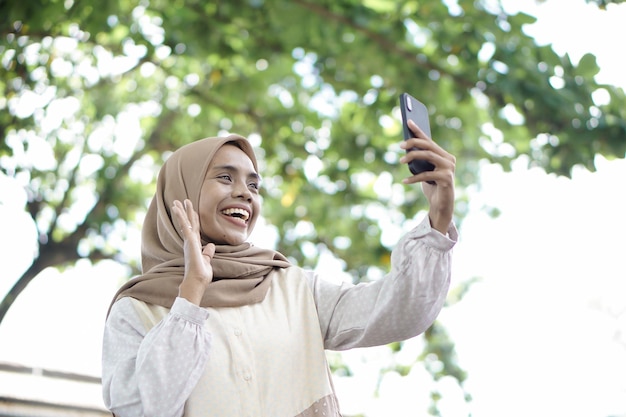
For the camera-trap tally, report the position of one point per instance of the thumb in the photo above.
(209, 250)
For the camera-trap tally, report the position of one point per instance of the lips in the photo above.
(237, 213)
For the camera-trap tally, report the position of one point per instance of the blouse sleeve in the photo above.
(396, 307)
(152, 373)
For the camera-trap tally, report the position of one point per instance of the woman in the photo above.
(218, 327)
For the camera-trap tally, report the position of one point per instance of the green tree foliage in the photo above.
(96, 94)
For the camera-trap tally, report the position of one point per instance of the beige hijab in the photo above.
(240, 273)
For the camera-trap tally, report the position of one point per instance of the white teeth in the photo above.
(237, 212)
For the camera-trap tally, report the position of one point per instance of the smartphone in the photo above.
(413, 109)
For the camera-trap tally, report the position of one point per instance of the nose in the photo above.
(241, 190)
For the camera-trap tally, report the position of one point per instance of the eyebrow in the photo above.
(252, 175)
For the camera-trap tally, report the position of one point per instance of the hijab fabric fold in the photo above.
(241, 274)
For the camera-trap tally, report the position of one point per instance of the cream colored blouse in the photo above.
(267, 359)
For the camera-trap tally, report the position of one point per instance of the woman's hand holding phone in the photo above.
(438, 184)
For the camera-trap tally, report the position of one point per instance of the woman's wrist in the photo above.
(192, 290)
(440, 223)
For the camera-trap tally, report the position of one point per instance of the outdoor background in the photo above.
(528, 95)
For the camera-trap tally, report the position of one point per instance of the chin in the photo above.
(234, 240)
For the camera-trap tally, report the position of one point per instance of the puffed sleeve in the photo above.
(152, 372)
(401, 305)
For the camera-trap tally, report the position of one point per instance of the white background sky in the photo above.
(543, 333)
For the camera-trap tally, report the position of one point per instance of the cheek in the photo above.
(207, 219)
(206, 204)
(256, 205)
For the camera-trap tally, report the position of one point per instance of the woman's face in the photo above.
(229, 198)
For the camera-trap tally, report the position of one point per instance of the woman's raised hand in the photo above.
(198, 269)
(438, 185)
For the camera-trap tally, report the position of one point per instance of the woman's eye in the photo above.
(254, 185)
(224, 177)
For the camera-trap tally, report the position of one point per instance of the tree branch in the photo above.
(65, 252)
(385, 44)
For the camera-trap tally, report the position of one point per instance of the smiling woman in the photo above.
(215, 323)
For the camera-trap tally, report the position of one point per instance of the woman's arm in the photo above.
(401, 305)
(152, 373)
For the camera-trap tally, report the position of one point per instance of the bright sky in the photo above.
(543, 333)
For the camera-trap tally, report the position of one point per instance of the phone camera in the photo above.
(409, 105)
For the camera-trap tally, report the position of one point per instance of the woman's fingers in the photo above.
(178, 216)
(185, 218)
(209, 250)
(417, 131)
(428, 150)
(192, 216)
(422, 142)
(440, 159)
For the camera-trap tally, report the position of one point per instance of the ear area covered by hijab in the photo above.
(241, 273)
